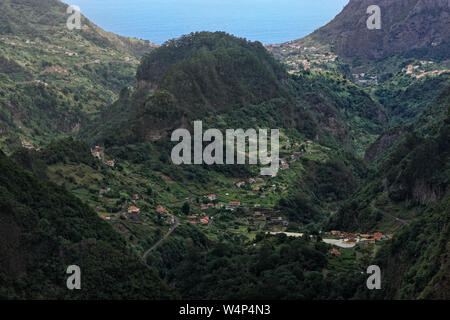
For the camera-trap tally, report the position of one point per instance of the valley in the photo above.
(85, 124)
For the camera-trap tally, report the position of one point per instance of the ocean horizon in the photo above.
(266, 21)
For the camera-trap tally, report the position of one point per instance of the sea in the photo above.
(267, 21)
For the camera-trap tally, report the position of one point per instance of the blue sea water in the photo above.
(268, 21)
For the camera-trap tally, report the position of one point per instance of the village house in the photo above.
(160, 209)
(27, 145)
(111, 163)
(240, 184)
(260, 180)
(256, 188)
(378, 236)
(203, 207)
(234, 204)
(363, 241)
(134, 212)
(204, 220)
(212, 197)
(335, 252)
(251, 180)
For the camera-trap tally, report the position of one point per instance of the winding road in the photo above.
(403, 221)
(156, 245)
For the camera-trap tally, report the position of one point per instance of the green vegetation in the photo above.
(44, 229)
(54, 81)
(205, 229)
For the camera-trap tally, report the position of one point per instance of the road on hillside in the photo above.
(156, 245)
(403, 221)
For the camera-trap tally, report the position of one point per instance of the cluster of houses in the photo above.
(415, 72)
(170, 217)
(271, 217)
(97, 152)
(134, 212)
(29, 146)
(297, 56)
(204, 220)
(361, 238)
(250, 181)
(231, 205)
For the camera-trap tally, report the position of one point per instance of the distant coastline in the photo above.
(266, 21)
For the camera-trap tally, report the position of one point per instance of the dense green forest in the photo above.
(52, 230)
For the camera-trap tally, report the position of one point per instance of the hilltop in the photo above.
(231, 82)
(54, 80)
(405, 59)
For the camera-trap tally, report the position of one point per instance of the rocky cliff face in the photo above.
(384, 142)
(410, 27)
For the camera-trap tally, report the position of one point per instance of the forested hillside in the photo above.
(44, 229)
(55, 80)
(409, 192)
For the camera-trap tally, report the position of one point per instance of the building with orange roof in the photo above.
(160, 209)
(111, 163)
(335, 252)
(234, 204)
(134, 210)
(377, 236)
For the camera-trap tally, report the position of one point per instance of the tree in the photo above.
(186, 208)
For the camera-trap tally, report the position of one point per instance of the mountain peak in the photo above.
(408, 27)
